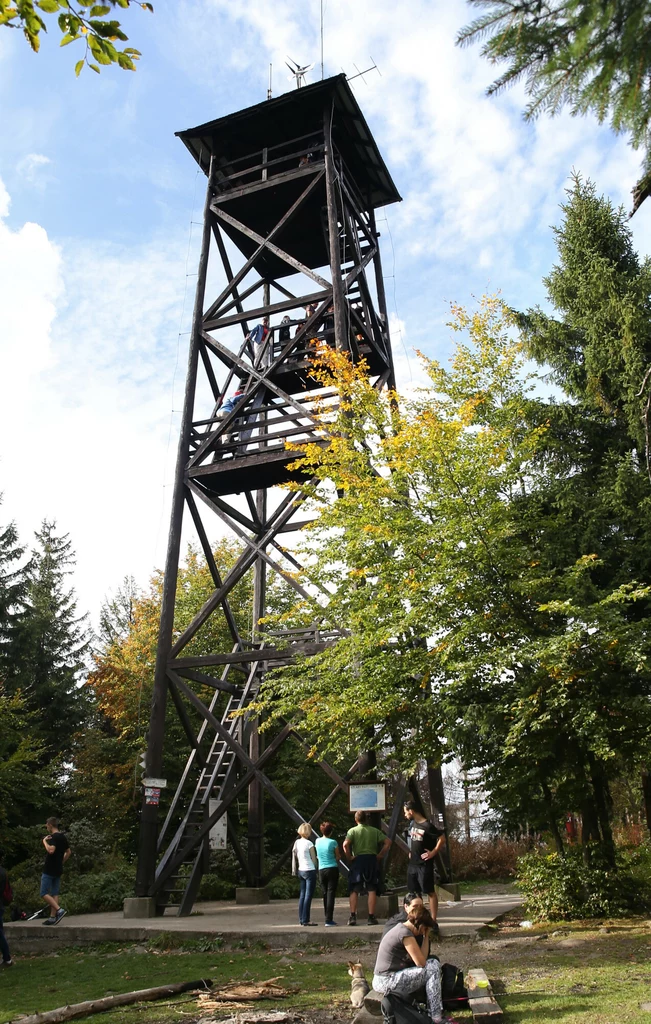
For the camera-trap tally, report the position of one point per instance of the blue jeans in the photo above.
(50, 885)
(308, 882)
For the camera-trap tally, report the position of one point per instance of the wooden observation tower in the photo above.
(290, 244)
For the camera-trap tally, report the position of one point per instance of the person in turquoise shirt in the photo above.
(328, 855)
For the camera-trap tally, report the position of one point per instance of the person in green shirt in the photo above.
(365, 847)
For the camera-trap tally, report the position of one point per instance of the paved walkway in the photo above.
(274, 923)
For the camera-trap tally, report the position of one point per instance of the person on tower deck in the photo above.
(402, 965)
(365, 846)
(284, 329)
(258, 334)
(229, 404)
(425, 841)
(310, 309)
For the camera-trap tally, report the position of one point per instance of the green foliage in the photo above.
(464, 561)
(49, 647)
(590, 55)
(22, 778)
(90, 893)
(84, 20)
(558, 888)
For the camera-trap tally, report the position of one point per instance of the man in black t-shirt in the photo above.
(57, 849)
(425, 841)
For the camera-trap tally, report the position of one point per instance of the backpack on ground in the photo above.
(453, 991)
(396, 1011)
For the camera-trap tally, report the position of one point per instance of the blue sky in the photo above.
(97, 251)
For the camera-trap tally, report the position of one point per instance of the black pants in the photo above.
(329, 877)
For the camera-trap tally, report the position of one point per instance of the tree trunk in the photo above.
(603, 805)
(553, 823)
(646, 793)
(91, 1006)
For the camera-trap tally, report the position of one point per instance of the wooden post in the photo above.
(338, 301)
(255, 820)
(382, 299)
(437, 801)
(146, 870)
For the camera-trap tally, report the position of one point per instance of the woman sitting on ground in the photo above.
(402, 965)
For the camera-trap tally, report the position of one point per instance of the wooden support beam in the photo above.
(283, 513)
(282, 306)
(201, 677)
(253, 769)
(265, 243)
(212, 565)
(257, 546)
(291, 261)
(186, 723)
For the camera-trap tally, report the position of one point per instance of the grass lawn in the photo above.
(45, 982)
(566, 974)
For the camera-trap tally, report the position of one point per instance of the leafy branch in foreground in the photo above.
(84, 20)
(590, 55)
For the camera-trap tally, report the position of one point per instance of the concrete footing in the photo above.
(250, 897)
(139, 906)
(386, 906)
(450, 891)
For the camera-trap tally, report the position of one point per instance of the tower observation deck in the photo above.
(289, 253)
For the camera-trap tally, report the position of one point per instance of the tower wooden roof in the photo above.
(296, 114)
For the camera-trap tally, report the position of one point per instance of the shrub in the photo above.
(284, 887)
(80, 894)
(485, 858)
(215, 887)
(93, 893)
(557, 888)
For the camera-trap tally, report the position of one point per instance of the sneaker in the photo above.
(39, 913)
(331, 924)
(372, 919)
(7, 963)
(50, 920)
(311, 924)
(436, 930)
(60, 913)
(352, 919)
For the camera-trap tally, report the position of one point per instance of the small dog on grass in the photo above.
(359, 986)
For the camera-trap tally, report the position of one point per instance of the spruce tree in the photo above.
(51, 645)
(13, 591)
(591, 55)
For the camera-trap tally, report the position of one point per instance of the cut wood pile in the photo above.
(239, 993)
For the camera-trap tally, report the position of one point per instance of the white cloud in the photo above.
(30, 168)
(88, 346)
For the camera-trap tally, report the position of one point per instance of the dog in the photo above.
(359, 986)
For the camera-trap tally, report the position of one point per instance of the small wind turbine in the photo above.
(298, 73)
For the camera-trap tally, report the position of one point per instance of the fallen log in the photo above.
(91, 1006)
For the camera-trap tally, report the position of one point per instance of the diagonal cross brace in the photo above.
(254, 771)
